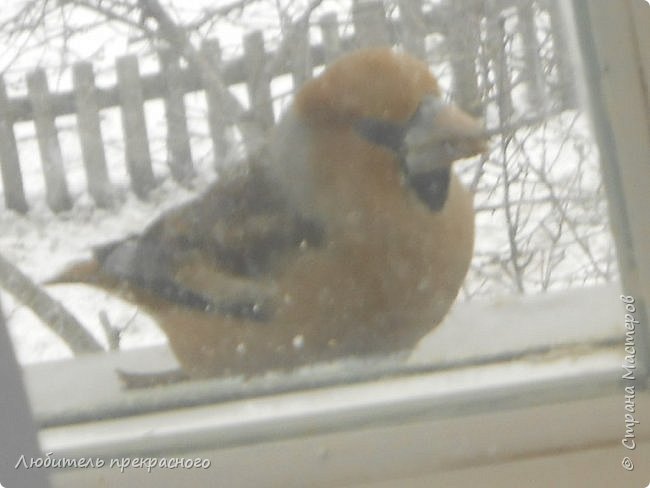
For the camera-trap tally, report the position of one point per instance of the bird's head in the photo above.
(392, 100)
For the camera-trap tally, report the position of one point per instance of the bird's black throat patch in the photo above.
(431, 187)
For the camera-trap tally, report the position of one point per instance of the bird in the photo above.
(348, 235)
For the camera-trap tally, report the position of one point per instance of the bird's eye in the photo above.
(382, 132)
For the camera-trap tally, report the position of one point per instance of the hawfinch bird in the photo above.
(349, 235)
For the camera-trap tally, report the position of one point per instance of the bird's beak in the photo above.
(439, 134)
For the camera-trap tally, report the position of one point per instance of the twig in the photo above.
(112, 333)
(51, 312)
(289, 41)
(179, 41)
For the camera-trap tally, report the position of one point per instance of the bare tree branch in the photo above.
(179, 41)
(51, 312)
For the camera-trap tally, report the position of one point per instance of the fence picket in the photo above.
(134, 126)
(12, 178)
(329, 26)
(496, 41)
(211, 51)
(370, 25)
(463, 45)
(56, 186)
(300, 60)
(178, 137)
(90, 134)
(561, 53)
(534, 70)
(258, 80)
(413, 29)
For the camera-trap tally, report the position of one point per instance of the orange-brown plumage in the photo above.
(351, 236)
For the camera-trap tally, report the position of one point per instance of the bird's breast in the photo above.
(388, 273)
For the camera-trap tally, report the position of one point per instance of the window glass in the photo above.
(327, 209)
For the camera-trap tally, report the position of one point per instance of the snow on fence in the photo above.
(468, 29)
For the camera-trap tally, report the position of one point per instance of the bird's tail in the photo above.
(87, 271)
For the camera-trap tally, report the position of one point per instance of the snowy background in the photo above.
(541, 211)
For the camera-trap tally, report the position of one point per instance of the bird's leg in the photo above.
(132, 381)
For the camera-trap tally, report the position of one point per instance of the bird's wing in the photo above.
(219, 252)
